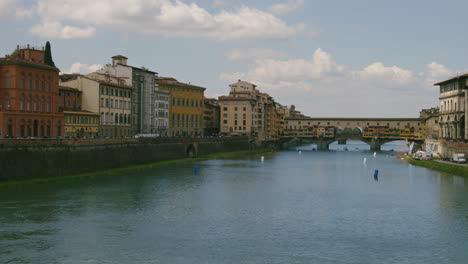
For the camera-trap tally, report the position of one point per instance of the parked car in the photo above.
(459, 158)
(421, 155)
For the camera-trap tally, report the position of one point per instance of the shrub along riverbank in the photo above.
(90, 175)
(434, 165)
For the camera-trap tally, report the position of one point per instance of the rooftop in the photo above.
(173, 81)
(454, 78)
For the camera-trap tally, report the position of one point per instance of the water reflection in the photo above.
(318, 207)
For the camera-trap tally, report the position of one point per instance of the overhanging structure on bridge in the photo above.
(374, 131)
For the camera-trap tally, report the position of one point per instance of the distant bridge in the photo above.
(373, 131)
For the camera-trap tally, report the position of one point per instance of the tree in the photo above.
(48, 55)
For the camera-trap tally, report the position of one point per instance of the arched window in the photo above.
(42, 104)
(21, 102)
(35, 104)
(116, 118)
(22, 131)
(59, 128)
(48, 128)
(10, 128)
(48, 107)
(36, 83)
(7, 80)
(22, 77)
(28, 82)
(7, 101)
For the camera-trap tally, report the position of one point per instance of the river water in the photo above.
(308, 207)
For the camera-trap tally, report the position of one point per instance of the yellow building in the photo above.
(186, 104)
(81, 124)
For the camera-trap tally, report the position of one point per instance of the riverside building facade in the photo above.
(452, 108)
(247, 111)
(108, 96)
(149, 105)
(28, 94)
(186, 107)
(78, 123)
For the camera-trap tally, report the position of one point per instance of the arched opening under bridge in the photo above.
(396, 145)
(351, 145)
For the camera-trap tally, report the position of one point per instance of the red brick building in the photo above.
(29, 94)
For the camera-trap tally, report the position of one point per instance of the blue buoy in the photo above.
(195, 169)
(376, 175)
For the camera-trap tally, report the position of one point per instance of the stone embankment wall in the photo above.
(39, 158)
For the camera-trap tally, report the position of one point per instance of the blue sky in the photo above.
(331, 58)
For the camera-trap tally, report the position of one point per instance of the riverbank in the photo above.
(443, 167)
(91, 175)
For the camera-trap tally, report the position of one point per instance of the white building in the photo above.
(146, 96)
(452, 116)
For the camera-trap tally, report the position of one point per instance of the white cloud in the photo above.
(437, 72)
(253, 54)
(168, 18)
(270, 70)
(319, 86)
(285, 8)
(378, 71)
(54, 29)
(82, 68)
(8, 8)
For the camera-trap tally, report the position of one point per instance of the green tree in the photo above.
(48, 55)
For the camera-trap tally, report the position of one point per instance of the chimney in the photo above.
(27, 46)
(17, 47)
(119, 59)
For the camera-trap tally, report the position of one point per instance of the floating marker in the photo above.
(195, 169)
(375, 154)
(364, 161)
(262, 159)
(376, 175)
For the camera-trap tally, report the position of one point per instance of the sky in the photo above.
(329, 58)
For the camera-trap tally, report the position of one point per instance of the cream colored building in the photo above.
(452, 117)
(247, 111)
(108, 96)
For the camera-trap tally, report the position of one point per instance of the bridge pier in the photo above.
(341, 141)
(322, 145)
(376, 144)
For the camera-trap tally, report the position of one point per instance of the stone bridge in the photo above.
(373, 131)
(324, 143)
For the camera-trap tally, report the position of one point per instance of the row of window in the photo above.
(163, 114)
(28, 81)
(111, 103)
(115, 92)
(38, 104)
(186, 117)
(81, 119)
(187, 102)
(162, 98)
(110, 118)
(448, 106)
(449, 87)
(244, 122)
(235, 108)
(70, 94)
(244, 116)
(32, 128)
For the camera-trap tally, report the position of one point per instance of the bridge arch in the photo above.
(191, 150)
